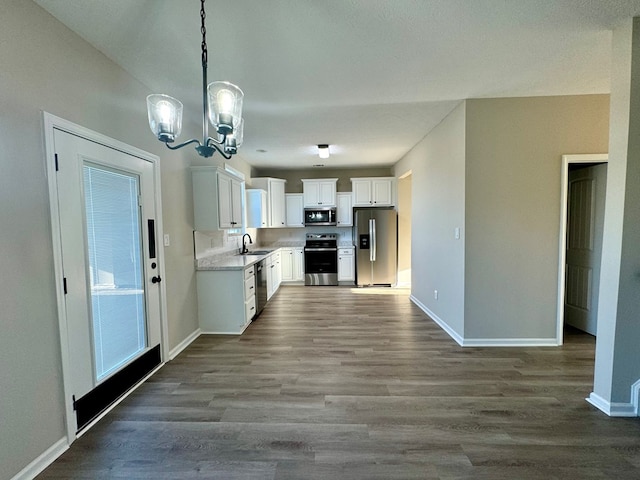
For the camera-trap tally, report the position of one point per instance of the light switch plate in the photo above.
(167, 240)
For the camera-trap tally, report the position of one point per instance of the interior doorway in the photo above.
(404, 230)
(582, 221)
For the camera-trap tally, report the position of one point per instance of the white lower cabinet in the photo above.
(346, 265)
(292, 264)
(298, 264)
(226, 300)
(274, 273)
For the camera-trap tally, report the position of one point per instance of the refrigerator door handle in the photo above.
(374, 243)
(370, 240)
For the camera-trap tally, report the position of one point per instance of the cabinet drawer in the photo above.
(249, 288)
(249, 272)
(345, 251)
(250, 309)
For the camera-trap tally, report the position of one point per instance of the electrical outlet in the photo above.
(435, 294)
(167, 240)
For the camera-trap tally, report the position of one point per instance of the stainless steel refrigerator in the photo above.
(375, 234)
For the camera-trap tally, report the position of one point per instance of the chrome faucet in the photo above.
(244, 245)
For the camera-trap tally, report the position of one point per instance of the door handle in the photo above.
(156, 279)
(374, 241)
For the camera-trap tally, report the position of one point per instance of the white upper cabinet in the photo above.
(257, 216)
(319, 192)
(344, 211)
(275, 200)
(294, 209)
(217, 199)
(374, 191)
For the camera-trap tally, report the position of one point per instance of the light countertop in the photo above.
(231, 262)
(240, 262)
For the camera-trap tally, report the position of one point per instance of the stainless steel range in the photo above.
(321, 259)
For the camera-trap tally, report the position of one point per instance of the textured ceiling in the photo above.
(369, 77)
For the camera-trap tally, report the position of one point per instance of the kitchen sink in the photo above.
(257, 252)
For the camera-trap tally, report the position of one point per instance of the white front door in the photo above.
(106, 202)
(585, 221)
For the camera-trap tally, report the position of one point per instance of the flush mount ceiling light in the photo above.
(323, 151)
(221, 105)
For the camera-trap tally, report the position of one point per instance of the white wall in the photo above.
(404, 230)
(618, 341)
(45, 66)
(437, 209)
(513, 158)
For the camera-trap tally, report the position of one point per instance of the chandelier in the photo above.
(221, 105)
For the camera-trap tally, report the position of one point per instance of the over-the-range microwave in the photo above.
(319, 216)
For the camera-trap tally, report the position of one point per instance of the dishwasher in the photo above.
(261, 286)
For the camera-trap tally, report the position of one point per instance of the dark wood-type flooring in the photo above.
(334, 383)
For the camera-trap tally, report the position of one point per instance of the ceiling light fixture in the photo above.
(323, 151)
(221, 105)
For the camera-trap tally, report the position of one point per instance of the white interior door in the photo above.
(585, 221)
(107, 214)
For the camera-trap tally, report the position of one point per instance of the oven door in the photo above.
(321, 266)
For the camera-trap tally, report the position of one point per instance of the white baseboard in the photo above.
(509, 342)
(635, 397)
(441, 323)
(613, 409)
(43, 461)
(485, 342)
(174, 352)
(202, 332)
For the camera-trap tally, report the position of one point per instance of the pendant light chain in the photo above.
(221, 105)
(203, 30)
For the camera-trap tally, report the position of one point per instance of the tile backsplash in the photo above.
(207, 244)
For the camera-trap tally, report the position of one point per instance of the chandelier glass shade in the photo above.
(221, 105)
(165, 117)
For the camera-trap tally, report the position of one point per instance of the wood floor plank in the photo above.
(340, 383)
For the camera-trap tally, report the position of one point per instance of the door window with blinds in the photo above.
(115, 266)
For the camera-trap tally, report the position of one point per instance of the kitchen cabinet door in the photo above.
(257, 216)
(373, 191)
(344, 211)
(294, 210)
(361, 193)
(382, 192)
(298, 264)
(292, 264)
(277, 204)
(217, 199)
(319, 192)
(229, 202)
(286, 257)
(346, 265)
